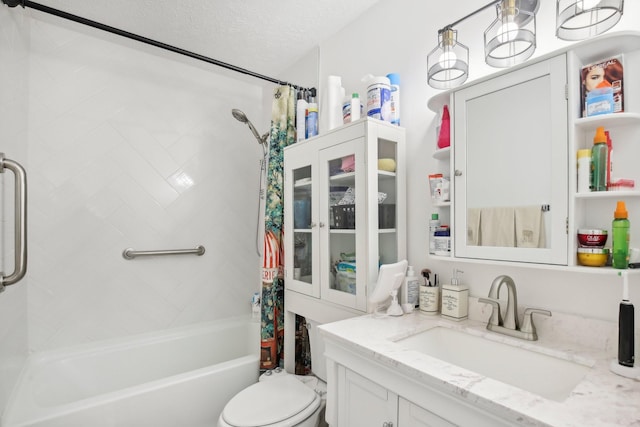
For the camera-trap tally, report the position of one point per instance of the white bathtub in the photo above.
(177, 378)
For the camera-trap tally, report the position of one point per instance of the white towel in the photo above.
(530, 232)
(497, 227)
(473, 226)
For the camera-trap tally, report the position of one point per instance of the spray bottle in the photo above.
(620, 231)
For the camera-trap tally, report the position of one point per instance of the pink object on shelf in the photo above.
(444, 138)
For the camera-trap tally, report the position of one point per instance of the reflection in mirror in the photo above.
(508, 167)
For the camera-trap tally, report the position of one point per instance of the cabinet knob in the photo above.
(313, 225)
(458, 172)
(322, 225)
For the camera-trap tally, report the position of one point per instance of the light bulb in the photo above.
(507, 32)
(447, 59)
(587, 4)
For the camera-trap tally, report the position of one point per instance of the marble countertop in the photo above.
(601, 399)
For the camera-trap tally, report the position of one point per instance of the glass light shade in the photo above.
(581, 19)
(448, 63)
(511, 37)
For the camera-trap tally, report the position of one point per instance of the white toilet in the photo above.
(280, 399)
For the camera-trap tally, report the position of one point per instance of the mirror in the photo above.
(511, 183)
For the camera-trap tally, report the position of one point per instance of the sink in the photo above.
(547, 376)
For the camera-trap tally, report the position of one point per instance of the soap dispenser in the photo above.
(455, 298)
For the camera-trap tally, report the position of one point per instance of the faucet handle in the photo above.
(496, 315)
(527, 323)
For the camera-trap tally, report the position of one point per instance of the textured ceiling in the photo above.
(264, 36)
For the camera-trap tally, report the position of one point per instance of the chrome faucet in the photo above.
(510, 325)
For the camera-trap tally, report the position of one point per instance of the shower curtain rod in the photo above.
(117, 31)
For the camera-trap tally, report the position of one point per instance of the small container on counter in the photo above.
(455, 299)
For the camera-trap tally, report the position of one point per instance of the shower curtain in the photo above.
(272, 308)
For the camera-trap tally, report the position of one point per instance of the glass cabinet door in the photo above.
(342, 223)
(301, 244)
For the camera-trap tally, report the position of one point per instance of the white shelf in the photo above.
(613, 119)
(442, 153)
(607, 194)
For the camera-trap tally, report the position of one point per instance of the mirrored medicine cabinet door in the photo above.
(510, 162)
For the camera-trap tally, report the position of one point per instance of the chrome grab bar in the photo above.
(129, 253)
(20, 222)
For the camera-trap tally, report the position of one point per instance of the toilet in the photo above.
(281, 399)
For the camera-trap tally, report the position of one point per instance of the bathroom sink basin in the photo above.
(547, 376)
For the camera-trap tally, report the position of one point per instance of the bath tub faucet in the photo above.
(510, 325)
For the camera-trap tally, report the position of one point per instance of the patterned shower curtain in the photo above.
(272, 308)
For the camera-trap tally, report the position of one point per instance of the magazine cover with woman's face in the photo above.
(601, 85)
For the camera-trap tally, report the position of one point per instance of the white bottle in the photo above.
(455, 299)
(434, 223)
(312, 115)
(302, 107)
(584, 170)
(335, 93)
(355, 107)
(411, 288)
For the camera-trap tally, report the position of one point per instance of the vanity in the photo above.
(408, 371)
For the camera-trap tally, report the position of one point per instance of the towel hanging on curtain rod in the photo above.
(132, 36)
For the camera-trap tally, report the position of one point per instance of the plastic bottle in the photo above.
(394, 98)
(312, 115)
(302, 107)
(609, 160)
(599, 161)
(378, 95)
(584, 170)
(434, 223)
(334, 101)
(346, 110)
(620, 243)
(355, 107)
(444, 135)
(412, 286)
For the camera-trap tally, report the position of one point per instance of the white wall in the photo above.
(396, 36)
(13, 122)
(129, 146)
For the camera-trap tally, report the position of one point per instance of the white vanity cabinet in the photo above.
(365, 393)
(343, 164)
(535, 108)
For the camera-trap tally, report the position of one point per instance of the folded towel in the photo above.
(497, 227)
(530, 232)
(473, 226)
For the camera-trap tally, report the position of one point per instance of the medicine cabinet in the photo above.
(515, 135)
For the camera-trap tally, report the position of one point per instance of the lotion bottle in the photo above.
(411, 286)
(455, 298)
(429, 294)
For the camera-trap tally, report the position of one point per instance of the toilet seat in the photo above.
(278, 402)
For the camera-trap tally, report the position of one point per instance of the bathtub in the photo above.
(177, 378)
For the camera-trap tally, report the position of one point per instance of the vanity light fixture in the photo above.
(448, 63)
(511, 37)
(581, 19)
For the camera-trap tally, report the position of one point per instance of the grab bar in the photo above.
(129, 253)
(20, 222)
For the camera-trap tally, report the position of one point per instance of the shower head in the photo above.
(242, 117)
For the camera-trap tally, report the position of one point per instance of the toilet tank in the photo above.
(316, 343)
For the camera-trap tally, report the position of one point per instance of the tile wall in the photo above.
(131, 147)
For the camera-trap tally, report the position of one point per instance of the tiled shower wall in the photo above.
(13, 143)
(131, 147)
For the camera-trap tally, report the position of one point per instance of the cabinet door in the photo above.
(301, 221)
(365, 403)
(342, 222)
(410, 415)
(510, 159)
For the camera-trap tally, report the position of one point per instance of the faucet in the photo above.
(510, 324)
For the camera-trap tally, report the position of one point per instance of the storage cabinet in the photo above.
(569, 210)
(364, 393)
(344, 211)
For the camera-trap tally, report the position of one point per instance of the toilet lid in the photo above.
(269, 402)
